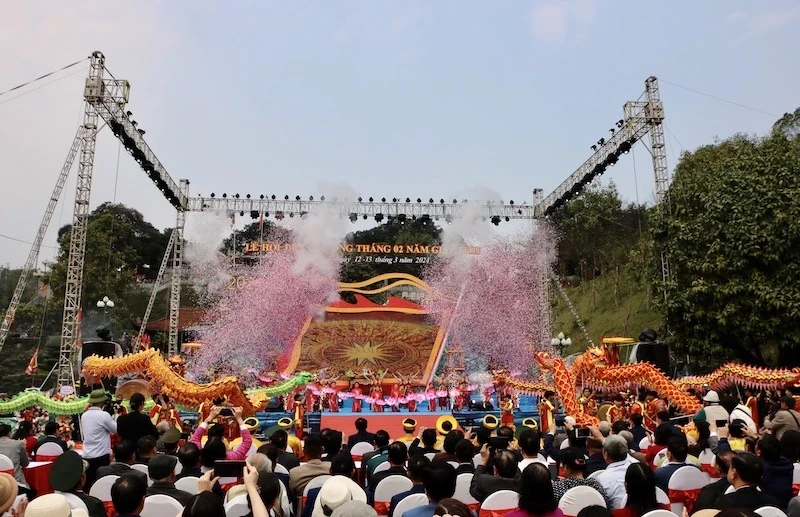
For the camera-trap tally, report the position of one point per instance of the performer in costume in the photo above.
(655, 405)
(547, 411)
(507, 415)
(410, 428)
(164, 410)
(411, 401)
(333, 397)
(357, 392)
(377, 394)
(311, 398)
(231, 427)
(588, 402)
(444, 425)
(294, 442)
(458, 400)
(444, 402)
(394, 393)
(617, 411)
(430, 394)
(253, 425)
(752, 404)
(638, 406)
(299, 413)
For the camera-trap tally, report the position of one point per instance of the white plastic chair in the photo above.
(74, 502)
(381, 467)
(476, 460)
(101, 488)
(659, 513)
(661, 498)
(48, 451)
(237, 507)
(361, 448)
(314, 483)
(577, 498)
(6, 465)
(161, 506)
(454, 464)
(686, 478)
(187, 484)
(661, 457)
(796, 474)
(430, 455)
(462, 494)
(644, 443)
(390, 487)
(409, 503)
(594, 474)
(143, 468)
(770, 511)
(178, 468)
(502, 500)
(280, 469)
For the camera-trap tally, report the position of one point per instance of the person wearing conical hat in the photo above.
(409, 427)
(287, 424)
(253, 425)
(507, 412)
(444, 425)
(527, 423)
(547, 412)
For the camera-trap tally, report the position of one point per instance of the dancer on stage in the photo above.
(164, 410)
(655, 405)
(617, 411)
(588, 402)
(394, 393)
(444, 400)
(507, 415)
(547, 411)
(752, 404)
(430, 394)
(377, 394)
(357, 393)
(332, 396)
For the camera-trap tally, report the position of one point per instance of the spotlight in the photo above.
(365, 217)
(430, 200)
(455, 201)
(224, 195)
(413, 217)
(253, 214)
(262, 196)
(273, 197)
(370, 199)
(594, 148)
(291, 214)
(212, 194)
(378, 218)
(359, 199)
(601, 141)
(401, 218)
(448, 218)
(129, 113)
(322, 198)
(496, 220)
(134, 123)
(511, 202)
(620, 123)
(311, 198)
(141, 131)
(408, 200)
(508, 219)
(241, 214)
(248, 196)
(266, 214)
(611, 130)
(394, 200)
(286, 197)
(353, 217)
(383, 200)
(419, 200)
(441, 201)
(236, 196)
(297, 198)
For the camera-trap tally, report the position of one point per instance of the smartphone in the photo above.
(721, 423)
(582, 432)
(498, 443)
(229, 468)
(226, 411)
(184, 436)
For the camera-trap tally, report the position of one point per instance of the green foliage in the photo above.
(733, 241)
(8, 282)
(788, 125)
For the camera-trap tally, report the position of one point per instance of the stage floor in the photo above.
(389, 422)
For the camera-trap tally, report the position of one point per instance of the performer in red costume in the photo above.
(507, 415)
(165, 410)
(430, 394)
(752, 404)
(617, 411)
(376, 393)
(311, 398)
(638, 406)
(411, 402)
(299, 413)
(333, 397)
(394, 393)
(654, 406)
(444, 402)
(357, 392)
(547, 411)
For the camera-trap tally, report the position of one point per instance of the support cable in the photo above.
(41, 86)
(43, 76)
(728, 101)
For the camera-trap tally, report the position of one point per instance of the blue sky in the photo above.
(417, 99)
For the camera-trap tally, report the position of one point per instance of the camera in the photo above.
(226, 411)
(582, 432)
(496, 442)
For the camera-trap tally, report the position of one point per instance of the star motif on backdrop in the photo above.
(367, 352)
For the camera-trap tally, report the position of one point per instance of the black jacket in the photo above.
(380, 476)
(748, 498)
(360, 437)
(288, 460)
(483, 485)
(194, 473)
(711, 495)
(119, 469)
(93, 505)
(594, 463)
(50, 439)
(465, 468)
(135, 425)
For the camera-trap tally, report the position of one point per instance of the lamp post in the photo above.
(561, 342)
(105, 304)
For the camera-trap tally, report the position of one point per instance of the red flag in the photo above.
(33, 365)
(78, 333)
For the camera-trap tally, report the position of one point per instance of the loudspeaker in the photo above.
(655, 353)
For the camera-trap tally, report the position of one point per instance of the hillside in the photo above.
(604, 314)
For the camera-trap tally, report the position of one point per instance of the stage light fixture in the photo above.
(394, 200)
(359, 199)
(236, 196)
(224, 194)
(273, 197)
(401, 218)
(286, 197)
(601, 141)
(311, 198)
(303, 214)
(383, 200)
(365, 216)
(266, 214)
(278, 215)
(291, 214)
(254, 214)
(620, 123)
(353, 217)
(419, 200)
(441, 201)
(262, 196)
(448, 218)
(370, 199)
(212, 194)
(508, 219)
(130, 114)
(496, 220)
(322, 198)
(378, 218)
(297, 198)
(611, 130)
(241, 214)
(430, 200)
(134, 123)
(455, 201)
(413, 217)
(248, 196)
(408, 200)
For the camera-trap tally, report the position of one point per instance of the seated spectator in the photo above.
(677, 451)
(637, 430)
(615, 453)
(536, 494)
(51, 436)
(702, 441)
(124, 457)
(24, 433)
(790, 446)
(619, 426)
(15, 451)
(574, 463)
(280, 439)
(453, 508)
(68, 477)
(604, 428)
(162, 471)
(449, 446)
(596, 461)
(640, 486)
(428, 443)
(336, 492)
(481, 437)
(268, 488)
(661, 437)
(260, 462)
(300, 476)
(189, 456)
(744, 475)
(416, 470)
(127, 495)
(147, 449)
(439, 481)
(711, 494)
(341, 465)
(397, 460)
(50, 505)
(271, 452)
(331, 443)
(204, 504)
(529, 445)
(505, 475)
(376, 457)
(778, 471)
(362, 435)
(465, 452)
(168, 442)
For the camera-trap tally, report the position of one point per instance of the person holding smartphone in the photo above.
(240, 452)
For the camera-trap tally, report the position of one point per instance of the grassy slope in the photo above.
(633, 311)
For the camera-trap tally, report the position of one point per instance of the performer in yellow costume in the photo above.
(253, 426)
(409, 427)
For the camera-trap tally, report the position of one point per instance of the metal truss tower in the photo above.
(156, 289)
(177, 270)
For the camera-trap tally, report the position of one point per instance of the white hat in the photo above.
(712, 397)
(335, 492)
(355, 509)
(52, 505)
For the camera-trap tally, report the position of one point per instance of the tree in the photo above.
(733, 241)
(788, 125)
